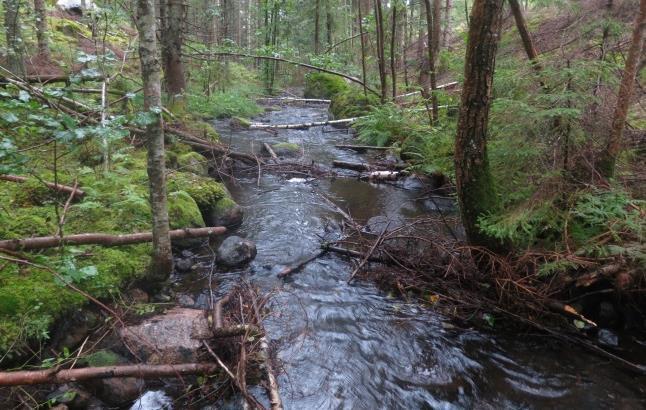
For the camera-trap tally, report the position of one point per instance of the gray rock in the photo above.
(230, 214)
(236, 251)
(185, 300)
(118, 391)
(184, 264)
(153, 400)
(377, 224)
(608, 338)
(173, 337)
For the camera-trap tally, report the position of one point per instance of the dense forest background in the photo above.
(531, 114)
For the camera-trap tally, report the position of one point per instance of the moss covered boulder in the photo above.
(237, 123)
(322, 85)
(193, 162)
(352, 103)
(183, 212)
(212, 198)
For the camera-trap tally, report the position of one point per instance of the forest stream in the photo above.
(355, 346)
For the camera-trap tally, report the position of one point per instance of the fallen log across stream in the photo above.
(45, 242)
(289, 100)
(361, 166)
(74, 192)
(303, 125)
(143, 371)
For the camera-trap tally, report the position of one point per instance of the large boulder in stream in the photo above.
(173, 337)
(236, 251)
(287, 149)
(212, 198)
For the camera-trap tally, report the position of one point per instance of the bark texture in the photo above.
(526, 37)
(14, 42)
(431, 60)
(41, 28)
(162, 263)
(173, 18)
(609, 156)
(55, 376)
(475, 185)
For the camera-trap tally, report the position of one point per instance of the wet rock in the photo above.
(237, 123)
(414, 183)
(173, 337)
(236, 251)
(185, 300)
(187, 254)
(184, 264)
(75, 330)
(153, 400)
(608, 338)
(117, 391)
(225, 213)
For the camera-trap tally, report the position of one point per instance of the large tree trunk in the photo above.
(393, 41)
(363, 50)
(437, 25)
(41, 28)
(162, 263)
(317, 28)
(14, 43)
(329, 23)
(173, 19)
(624, 96)
(447, 24)
(431, 61)
(475, 185)
(379, 21)
(526, 37)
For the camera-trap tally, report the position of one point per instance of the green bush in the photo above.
(352, 102)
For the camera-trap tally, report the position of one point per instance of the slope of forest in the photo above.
(101, 135)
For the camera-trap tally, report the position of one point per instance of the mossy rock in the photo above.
(203, 130)
(322, 85)
(183, 211)
(226, 212)
(193, 162)
(239, 123)
(103, 358)
(286, 149)
(352, 103)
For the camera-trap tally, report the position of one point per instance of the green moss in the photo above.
(103, 358)
(239, 122)
(224, 205)
(203, 129)
(183, 211)
(322, 85)
(205, 191)
(33, 193)
(193, 162)
(352, 103)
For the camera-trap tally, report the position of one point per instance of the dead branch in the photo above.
(143, 371)
(291, 269)
(360, 166)
(361, 147)
(208, 146)
(271, 152)
(75, 192)
(44, 242)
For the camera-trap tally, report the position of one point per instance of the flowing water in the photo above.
(355, 347)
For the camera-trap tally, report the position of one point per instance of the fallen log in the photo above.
(304, 125)
(236, 330)
(353, 254)
(287, 100)
(382, 176)
(361, 147)
(207, 146)
(142, 371)
(74, 192)
(439, 87)
(45, 242)
(360, 166)
(271, 152)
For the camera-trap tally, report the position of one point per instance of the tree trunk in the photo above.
(44, 242)
(317, 22)
(526, 37)
(437, 26)
(624, 96)
(41, 28)
(329, 23)
(14, 42)
(405, 47)
(431, 61)
(379, 21)
(475, 185)
(173, 19)
(363, 50)
(162, 263)
(447, 24)
(393, 41)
